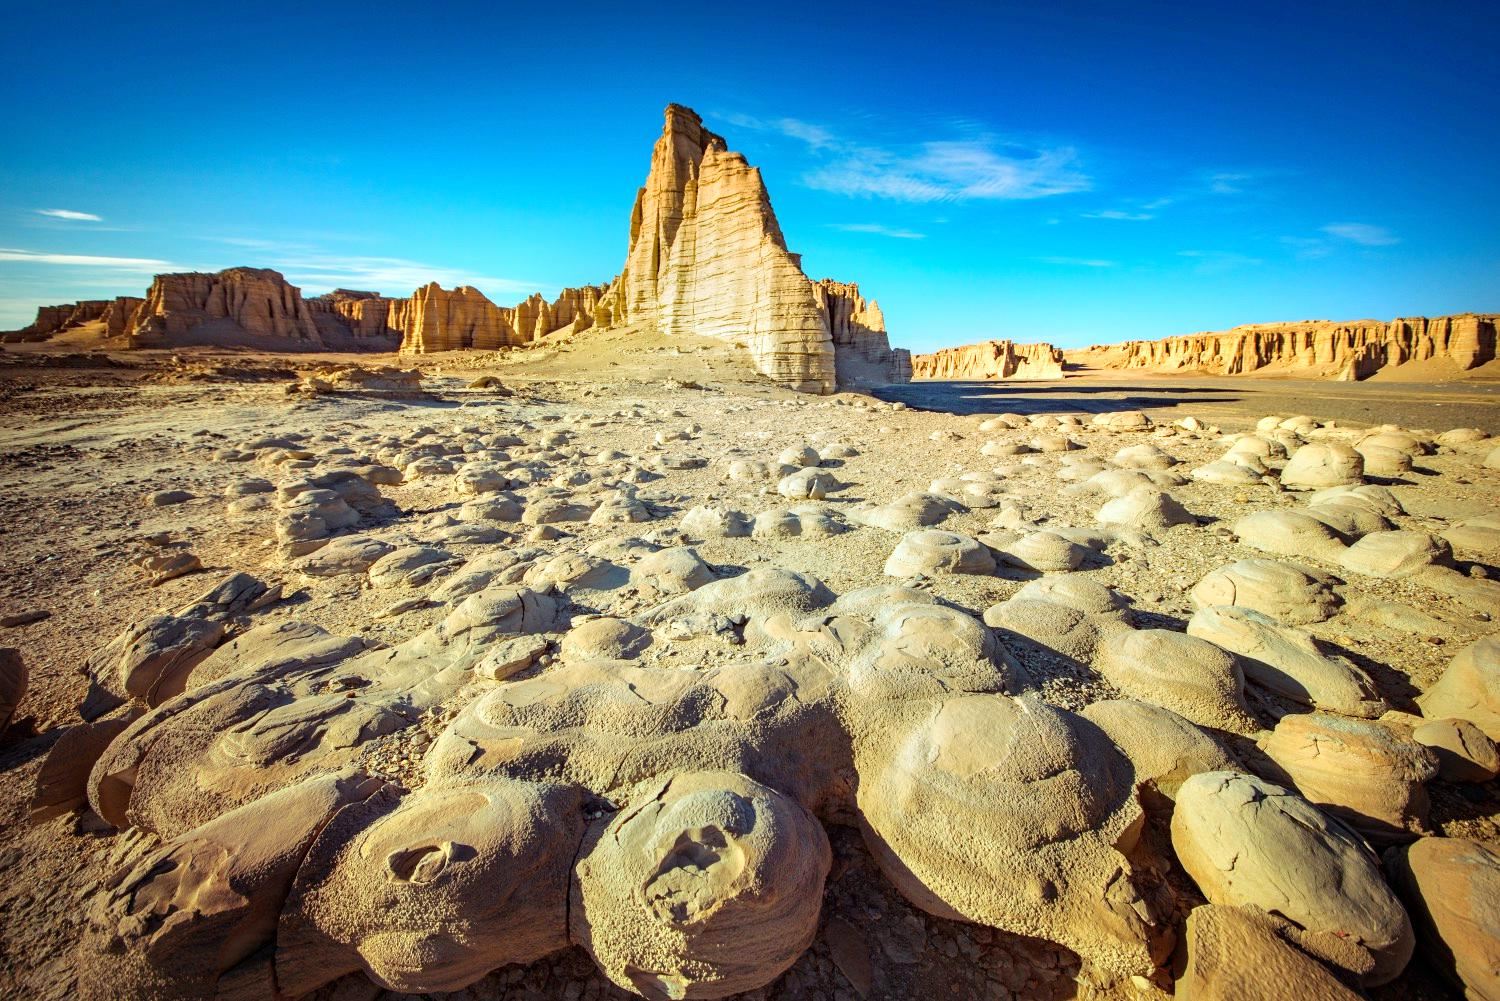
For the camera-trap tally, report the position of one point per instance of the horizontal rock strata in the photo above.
(1319, 348)
(258, 302)
(991, 360)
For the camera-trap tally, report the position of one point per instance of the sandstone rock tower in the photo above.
(707, 257)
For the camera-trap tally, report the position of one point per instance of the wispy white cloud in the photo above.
(877, 229)
(1228, 182)
(82, 260)
(1219, 261)
(1080, 262)
(1362, 233)
(391, 275)
(815, 136)
(951, 171)
(945, 170)
(316, 269)
(1308, 248)
(70, 214)
(1120, 214)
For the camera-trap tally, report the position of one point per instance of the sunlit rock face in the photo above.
(1345, 350)
(991, 360)
(707, 257)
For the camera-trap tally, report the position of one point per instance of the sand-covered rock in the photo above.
(14, 678)
(1190, 676)
(1244, 954)
(1395, 554)
(1323, 464)
(1451, 886)
(180, 922)
(1247, 842)
(1014, 814)
(927, 552)
(708, 884)
(1365, 773)
(1286, 592)
(431, 891)
(1469, 688)
(1288, 662)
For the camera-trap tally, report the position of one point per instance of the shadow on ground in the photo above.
(1009, 397)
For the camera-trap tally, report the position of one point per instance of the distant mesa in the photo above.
(991, 360)
(705, 257)
(1445, 346)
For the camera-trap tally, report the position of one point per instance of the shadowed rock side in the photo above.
(234, 302)
(990, 360)
(1347, 351)
(435, 319)
(707, 257)
(52, 320)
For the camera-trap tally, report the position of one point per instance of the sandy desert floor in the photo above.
(84, 442)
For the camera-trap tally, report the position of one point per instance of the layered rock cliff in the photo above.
(435, 319)
(237, 305)
(707, 257)
(991, 360)
(358, 316)
(119, 315)
(1348, 350)
(862, 351)
(52, 320)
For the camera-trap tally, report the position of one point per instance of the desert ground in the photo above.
(136, 483)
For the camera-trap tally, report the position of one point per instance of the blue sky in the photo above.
(1082, 173)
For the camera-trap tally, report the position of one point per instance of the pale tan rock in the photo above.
(1190, 676)
(243, 306)
(1463, 751)
(51, 320)
(707, 257)
(1363, 772)
(1313, 348)
(190, 911)
(1248, 842)
(62, 781)
(1243, 954)
(1289, 533)
(861, 351)
(1469, 688)
(1382, 461)
(431, 891)
(1145, 508)
(1284, 591)
(1009, 812)
(1288, 662)
(1452, 888)
(1045, 552)
(990, 360)
(927, 552)
(1395, 554)
(1323, 464)
(709, 884)
(908, 512)
(1164, 748)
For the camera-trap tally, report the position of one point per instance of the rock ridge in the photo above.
(991, 360)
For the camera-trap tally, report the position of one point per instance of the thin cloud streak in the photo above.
(1120, 215)
(70, 214)
(1362, 233)
(1080, 262)
(877, 229)
(951, 171)
(81, 260)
